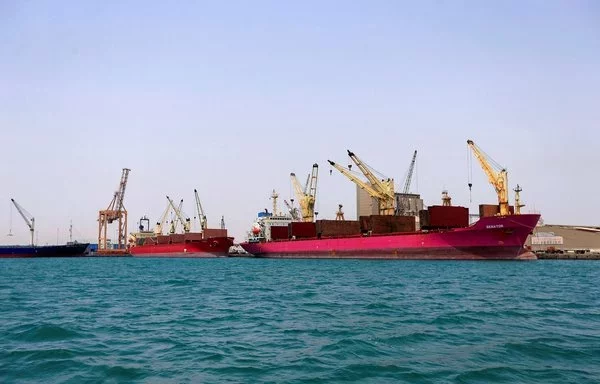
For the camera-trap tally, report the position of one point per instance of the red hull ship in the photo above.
(490, 238)
(172, 246)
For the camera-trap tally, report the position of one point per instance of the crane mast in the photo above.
(201, 215)
(159, 224)
(184, 222)
(114, 212)
(307, 196)
(497, 177)
(382, 190)
(29, 219)
(292, 210)
(404, 204)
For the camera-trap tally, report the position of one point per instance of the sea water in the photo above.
(285, 321)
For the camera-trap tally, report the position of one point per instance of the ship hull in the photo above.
(491, 238)
(213, 247)
(25, 251)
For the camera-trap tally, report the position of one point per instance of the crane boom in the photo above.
(498, 178)
(381, 186)
(29, 219)
(307, 196)
(293, 211)
(411, 168)
(201, 215)
(159, 224)
(366, 186)
(185, 222)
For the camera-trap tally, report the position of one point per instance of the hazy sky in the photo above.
(229, 97)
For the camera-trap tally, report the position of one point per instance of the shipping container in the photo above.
(194, 236)
(487, 210)
(448, 216)
(279, 232)
(214, 232)
(302, 230)
(330, 228)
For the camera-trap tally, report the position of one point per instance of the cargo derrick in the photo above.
(404, 205)
(382, 190)
(307, 195)
(29, 219)
(115, 212)
(184, 221)
(201, 215)
(497, 176)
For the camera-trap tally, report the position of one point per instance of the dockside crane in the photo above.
(186, 222)
(382, 190)
(201, 215)
(497, 176)
(115, 212)
(404, 205)
(308, 195)
(29, 219)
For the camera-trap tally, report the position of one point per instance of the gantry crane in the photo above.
(308, 195)
(201, 215)
(186, 222)
(382, 190)
(497, 176)
(404, 202)
(29, 219)
(115, 212)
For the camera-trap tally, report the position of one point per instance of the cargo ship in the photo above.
(490, 238)
(442, 232)
(67, 250)
(209, 242)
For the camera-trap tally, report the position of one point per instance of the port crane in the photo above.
(158, 229)
(201, 215)
(404, 202)
(29, 219)
(185, 222)
(307, 195)
(497, 176)
(114, 212)
(292, 210)
(382, 190)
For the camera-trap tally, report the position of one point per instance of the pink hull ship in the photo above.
(490, 238)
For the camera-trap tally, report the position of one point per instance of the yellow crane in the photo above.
(497, 176)
(308, 195)
(185, 222)
(201, 215)
(114, 212)
(382, 190)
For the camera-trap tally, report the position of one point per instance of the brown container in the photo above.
(177, 238)
(448, 216)
(163, 239)
(214, 232)
(279, 233)
(403, 224)
(330, 228)
(302, 230)
(193, 236)
(487, 210)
